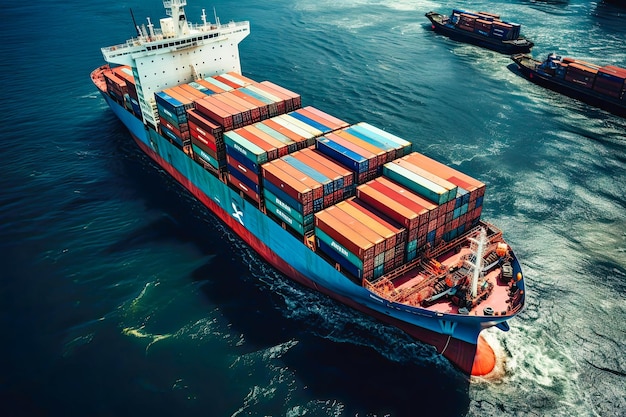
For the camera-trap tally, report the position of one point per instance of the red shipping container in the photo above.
(226, 81)
(236, 165)
(208, 108)
(246, 190)
(396, 194)
(388, 206)
(204, 146)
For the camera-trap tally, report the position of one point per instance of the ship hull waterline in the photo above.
(459, 348)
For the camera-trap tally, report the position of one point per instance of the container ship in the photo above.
(599, 86)
(347, 209)
(482, 29)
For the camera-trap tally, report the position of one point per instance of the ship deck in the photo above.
(433, 281)
(498, 299)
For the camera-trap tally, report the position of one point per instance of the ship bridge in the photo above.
(179, 52)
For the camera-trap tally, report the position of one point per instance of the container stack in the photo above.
(486, 24)
(251, 146)
(363, 148)
(461, 212)
(207, 141)
(611, 80)
(367, 235)
(125, 73)
(298, 185)
(580, 72)
(424, 203)
(251, 103)
(394, 234)
(172, 105)
(404, 206)
(116, 86)
(467, 21)
(361, 249)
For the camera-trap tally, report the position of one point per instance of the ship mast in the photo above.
(475, 262)
(175, 9)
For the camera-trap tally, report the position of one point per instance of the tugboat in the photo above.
(599, 86)
(482, 29)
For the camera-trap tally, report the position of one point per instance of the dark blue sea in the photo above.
(120, 295)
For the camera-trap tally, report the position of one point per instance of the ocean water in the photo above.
(120, 295)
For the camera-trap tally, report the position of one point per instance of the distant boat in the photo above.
(481, 29)
(599, 86)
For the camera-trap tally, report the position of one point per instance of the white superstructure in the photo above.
(178, 53)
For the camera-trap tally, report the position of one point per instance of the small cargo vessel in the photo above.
(347, 209)
(599, 86)
(483, 29)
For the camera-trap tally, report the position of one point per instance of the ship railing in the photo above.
(384, 287)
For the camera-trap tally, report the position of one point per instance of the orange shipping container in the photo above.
(344, 235)
(315, 186)
(210, 86)
(362, 229)
(387, 234)
(378, 216)
(194, 92)
(284, 131)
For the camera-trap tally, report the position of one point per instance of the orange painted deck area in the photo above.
(498, 300)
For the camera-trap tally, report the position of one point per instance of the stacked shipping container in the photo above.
(486, 24)
(608, 80)
(426, 202)
(300, 184)
(371, 202)
(251, 146)
(363, 148)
